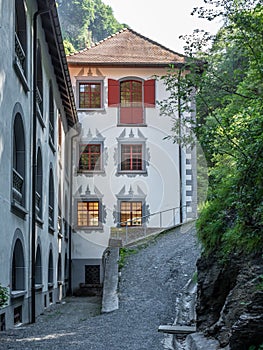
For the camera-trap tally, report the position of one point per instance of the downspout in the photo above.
(78, 129)
(180, 148)
(34, 169)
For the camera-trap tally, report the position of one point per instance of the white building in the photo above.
(125, 170)
(36, 112)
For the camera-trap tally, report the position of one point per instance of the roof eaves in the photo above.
(59, 60)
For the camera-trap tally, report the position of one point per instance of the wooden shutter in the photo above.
(113, 93)
(149, 93)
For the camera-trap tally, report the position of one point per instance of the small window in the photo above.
(18, 315)
(90, 157)
(131, 213)
(131, 157)
(88, 214)
(90, 95)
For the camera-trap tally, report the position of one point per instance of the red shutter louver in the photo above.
(149, 93)
(113, 93)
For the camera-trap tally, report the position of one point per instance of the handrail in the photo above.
(149, 215)
(125, 224)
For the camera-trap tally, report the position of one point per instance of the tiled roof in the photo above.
(126, 48)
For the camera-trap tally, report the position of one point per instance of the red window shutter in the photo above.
(149, 93)
(113, 93)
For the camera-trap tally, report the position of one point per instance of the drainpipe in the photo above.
(180, 150)
(34, 169)
(78, 129)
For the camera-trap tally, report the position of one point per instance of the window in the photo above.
(88, 214)
(131, 96)
(18, 189)
(39, 87)
(39, 182)
(20, 62)
(38, 278)
(51, 117)
(18, 267)
(131, 213)
(51, 203)
(131, 157)
(90, 157)
(132, 153)
(90, 94)
(50, 270)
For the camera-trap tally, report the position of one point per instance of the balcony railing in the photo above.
(20, 54)
(50, 216)
(127, 232)
(38, 205)
(18, 182)
(39, 102)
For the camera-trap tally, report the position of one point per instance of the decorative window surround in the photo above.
(131, 197)
(90, 140)
(140, 164)
(88, 197)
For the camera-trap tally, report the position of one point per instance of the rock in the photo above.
(230, 301)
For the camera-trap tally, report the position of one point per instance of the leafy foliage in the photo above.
(84, 22)
(227, 78)
(3, 296)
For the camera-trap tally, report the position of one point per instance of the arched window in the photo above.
(50, 270)
(21, 42)
(131, 106)
(38, 278)
(51, 115)
(39, 182)
(51, 199)
(66, 267)
(19, 161)
(18, 267)
(39, 92)
(59, 272)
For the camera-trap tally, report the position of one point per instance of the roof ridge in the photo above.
(132, 31)
(155, 42)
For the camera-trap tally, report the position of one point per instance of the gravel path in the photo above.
(150, 282)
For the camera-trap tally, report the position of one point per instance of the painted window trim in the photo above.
(131, 140)
(89, 198)
(85, 79)
(97, 140)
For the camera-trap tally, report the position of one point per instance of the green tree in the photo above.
(84, 22)
(227, 78)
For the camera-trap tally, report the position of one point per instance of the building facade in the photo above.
(128, 179)
(37, 112)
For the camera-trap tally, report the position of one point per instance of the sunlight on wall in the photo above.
(2, 82)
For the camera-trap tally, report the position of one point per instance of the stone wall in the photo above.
(230, 300)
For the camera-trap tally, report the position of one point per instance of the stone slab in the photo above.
(175, 329)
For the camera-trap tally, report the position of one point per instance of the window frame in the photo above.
(100, 218)
(131, 157)
(131, 140)
(89, 169)
(131, 211)
(84, 80)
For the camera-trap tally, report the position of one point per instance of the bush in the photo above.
(3, 296)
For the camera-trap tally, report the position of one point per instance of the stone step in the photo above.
(175, 329)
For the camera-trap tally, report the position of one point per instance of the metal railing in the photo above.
(20, 53)
(164, 219)
(18, 182)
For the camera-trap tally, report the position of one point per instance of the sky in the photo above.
(161, 20)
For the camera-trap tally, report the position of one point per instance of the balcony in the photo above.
(51, 219)
(17, 190)
(20, 63)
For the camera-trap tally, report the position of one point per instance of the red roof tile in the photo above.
(126, 48)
